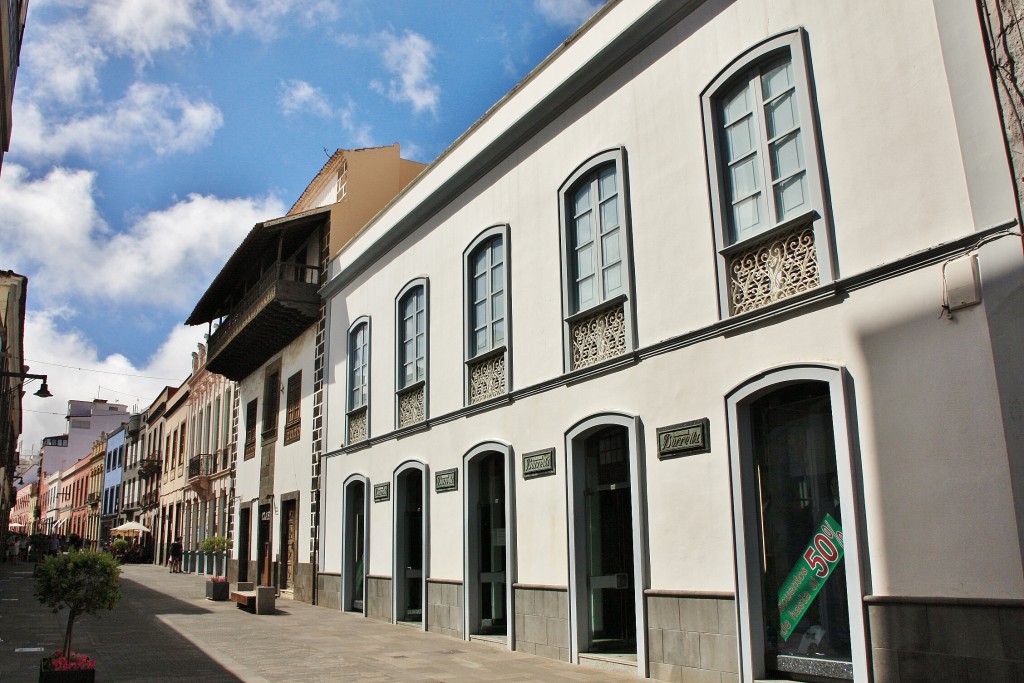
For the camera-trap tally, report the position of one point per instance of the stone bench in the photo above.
(259, 599)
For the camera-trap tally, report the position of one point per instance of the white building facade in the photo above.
(269, 331)
(697, 356)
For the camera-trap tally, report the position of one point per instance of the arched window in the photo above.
(487, 315)
(411, 337)
(358, 401)
(765, 168)
(597, 269)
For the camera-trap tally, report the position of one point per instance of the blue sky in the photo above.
(149, 136)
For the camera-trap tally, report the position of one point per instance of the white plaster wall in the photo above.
(926, 408)
(292, 463)
(247, 472)
(332, 477)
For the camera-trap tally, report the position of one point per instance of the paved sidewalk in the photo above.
(165, 630)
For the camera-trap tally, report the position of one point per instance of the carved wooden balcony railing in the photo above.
(272, 313)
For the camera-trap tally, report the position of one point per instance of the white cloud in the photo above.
(262, 17)
(568, 13)
(141, 28)
(299, 97)
(51, 344)
(60, 64)
(409, 58)
(163, 259)
(158, 117)
(62, 108)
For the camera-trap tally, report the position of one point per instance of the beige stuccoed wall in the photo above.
(932, 457)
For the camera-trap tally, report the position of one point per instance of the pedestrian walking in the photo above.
(175, 552)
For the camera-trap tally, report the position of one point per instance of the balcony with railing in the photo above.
(281, 305)
(149, 500)
(202, 469)
(149, 465)
(93, 499)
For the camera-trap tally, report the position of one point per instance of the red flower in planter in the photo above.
(73, 661)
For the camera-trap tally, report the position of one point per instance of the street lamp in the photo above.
(44, 390)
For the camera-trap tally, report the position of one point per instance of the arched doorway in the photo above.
(489, 542)
(799, 592)
(607, 539)
(355, 544)
(411, 543)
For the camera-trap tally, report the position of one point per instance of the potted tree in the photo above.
(120, 547)
(83, 583)
(215, 549)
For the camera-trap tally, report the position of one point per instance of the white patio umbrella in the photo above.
(131, 526)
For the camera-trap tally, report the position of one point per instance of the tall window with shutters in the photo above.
(271, 403)
(250, 430)
(293, 410)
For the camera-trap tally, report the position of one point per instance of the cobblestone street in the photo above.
(165, 630)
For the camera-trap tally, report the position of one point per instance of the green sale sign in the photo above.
(811, 572)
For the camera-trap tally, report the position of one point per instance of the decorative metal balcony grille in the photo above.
(774, 269)
(357, 427)
(411, 407)
(487, 379)
(202, 465)
(598, 337)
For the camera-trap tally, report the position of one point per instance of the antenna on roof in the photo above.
(327, 153)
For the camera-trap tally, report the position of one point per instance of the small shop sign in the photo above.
(446, 480)
(809, 575)
(381, 492)
(538, 463)
(685, 438)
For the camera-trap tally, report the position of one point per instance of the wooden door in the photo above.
(291, 545)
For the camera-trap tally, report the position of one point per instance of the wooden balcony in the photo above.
(276, 310)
